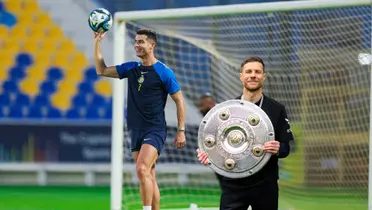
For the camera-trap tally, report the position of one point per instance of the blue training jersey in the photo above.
(148, 89)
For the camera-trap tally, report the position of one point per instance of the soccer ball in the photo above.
(100, 20)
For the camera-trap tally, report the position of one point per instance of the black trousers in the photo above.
(263, 196)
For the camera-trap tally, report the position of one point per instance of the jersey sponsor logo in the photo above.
(140, 81)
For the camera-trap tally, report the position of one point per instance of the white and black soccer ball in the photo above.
(100, 20)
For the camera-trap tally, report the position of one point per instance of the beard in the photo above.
(253, 89)
(143, 55)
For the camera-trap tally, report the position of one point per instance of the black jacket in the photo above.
(270, 172)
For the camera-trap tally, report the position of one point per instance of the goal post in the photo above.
(117, 129)
(370, 129)
(311, 52)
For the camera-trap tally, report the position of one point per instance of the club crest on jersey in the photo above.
(140, 81)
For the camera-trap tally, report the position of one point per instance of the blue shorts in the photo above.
(155, 138)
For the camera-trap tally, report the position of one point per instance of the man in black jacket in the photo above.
(260, 191)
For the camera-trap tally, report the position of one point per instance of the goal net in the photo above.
(311, 53)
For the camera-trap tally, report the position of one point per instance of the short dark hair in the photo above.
(151, 34)
(253, 59)
(206, 96)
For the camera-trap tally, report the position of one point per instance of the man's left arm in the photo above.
(284, 134)
(174, 90)
(181, 109)
(180, 139)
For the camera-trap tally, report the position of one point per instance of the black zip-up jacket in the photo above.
(270, 172)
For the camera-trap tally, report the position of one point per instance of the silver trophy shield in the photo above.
(233, 134)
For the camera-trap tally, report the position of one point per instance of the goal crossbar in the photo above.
(235, 9)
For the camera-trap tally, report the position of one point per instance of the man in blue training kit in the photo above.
(149, 83)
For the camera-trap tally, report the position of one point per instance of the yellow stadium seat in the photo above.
(19, 34)
(12, 43)
(74, 74)
(19, 30)
(55, 31)
(7, 59)
(7, 62)
(30, 87)
(61, 101)
(14, 6)
(44, 18)
(103, 87)
(37, 31)
(30, 5)
(67, 87)
(3, 74)
(80, 60)
(4, 29)
(5, 65)
(4, 32)
(61, 60)
(26, 18)
(43, 58)
(39, 64)
(31, 45)
(8, 52)
(20, 37)
(37, 72)
(66, 45)
(50, 44)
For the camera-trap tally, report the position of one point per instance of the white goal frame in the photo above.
(119, 86)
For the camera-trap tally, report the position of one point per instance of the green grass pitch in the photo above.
(98, 198)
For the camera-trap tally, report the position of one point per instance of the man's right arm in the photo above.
(284, 134)
(101, 68)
